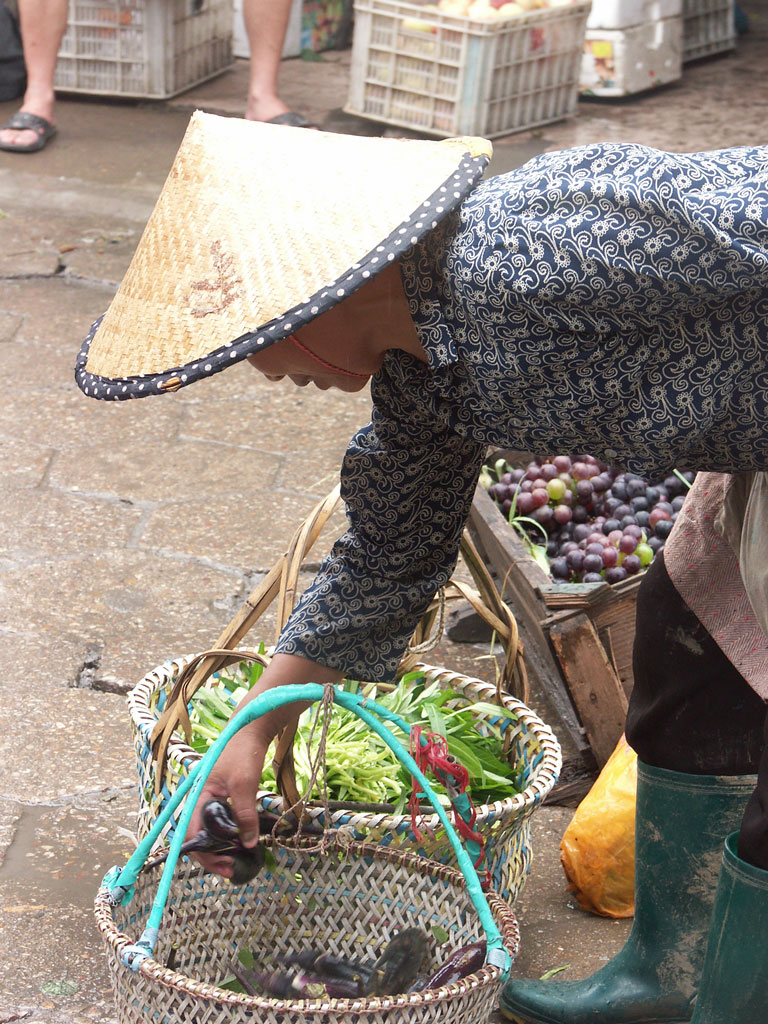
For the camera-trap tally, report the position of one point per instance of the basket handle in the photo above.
(488, 604)
(118, 884)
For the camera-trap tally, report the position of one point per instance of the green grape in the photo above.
(556, 489)
(645, 553)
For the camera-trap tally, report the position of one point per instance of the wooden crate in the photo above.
(582, 632)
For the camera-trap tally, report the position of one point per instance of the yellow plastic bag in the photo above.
(597, 850)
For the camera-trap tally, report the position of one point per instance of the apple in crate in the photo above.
(458, 7)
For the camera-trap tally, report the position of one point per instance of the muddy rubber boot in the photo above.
(734, 979)
(681, 822)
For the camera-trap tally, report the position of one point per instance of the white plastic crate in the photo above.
(449, 75)
(144, 48)
(615, 14)
(625, 61)
(708, 28)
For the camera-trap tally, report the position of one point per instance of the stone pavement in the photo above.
(133, 531)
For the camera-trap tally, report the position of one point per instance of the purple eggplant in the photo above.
(291, 984)
(221, 834)
(218, 821)
(342, 989)
(332, 969)
(201, 841)
(459, 964)
(246, 864)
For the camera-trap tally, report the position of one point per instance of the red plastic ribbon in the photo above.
(433, 755)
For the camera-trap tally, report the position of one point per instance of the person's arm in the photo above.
(408, 481)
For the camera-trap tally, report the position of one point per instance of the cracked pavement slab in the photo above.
(48, 877)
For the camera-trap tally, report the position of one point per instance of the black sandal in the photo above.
(293, 120)
(22, 121)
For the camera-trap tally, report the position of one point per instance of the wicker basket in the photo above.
(159, 701)
(363, 896)
(348, 898)
(504, 825)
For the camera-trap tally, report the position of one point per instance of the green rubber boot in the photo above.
(734, 979)
(681, 823)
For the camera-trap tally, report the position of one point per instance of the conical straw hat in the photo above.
(259, 229)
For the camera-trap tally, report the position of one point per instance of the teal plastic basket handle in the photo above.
(118, 884)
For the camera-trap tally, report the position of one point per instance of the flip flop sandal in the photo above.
(293, 120)
(22, 121)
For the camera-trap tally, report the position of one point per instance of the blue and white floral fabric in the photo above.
(610, 299)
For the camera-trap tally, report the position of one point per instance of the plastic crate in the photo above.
(708, 28)
(631, 60)
(143, 48)
(449, 75)
(616, 14)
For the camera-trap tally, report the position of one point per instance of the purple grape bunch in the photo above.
(602, 525)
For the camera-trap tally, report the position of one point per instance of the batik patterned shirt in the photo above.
(610, 299)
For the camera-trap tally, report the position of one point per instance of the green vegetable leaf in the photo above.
(482, 707)
(255, 670)
(681, 478)
(555, 970)
(360, 767)
(246, 958)
(59, 988)
(436, 720)
(540, 556)
(467, 756)
(231, 984)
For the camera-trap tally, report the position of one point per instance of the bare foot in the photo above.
(264, 108)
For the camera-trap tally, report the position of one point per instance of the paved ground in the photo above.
(132, 532)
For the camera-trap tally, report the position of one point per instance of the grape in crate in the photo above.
(590, 522)
(610, 299)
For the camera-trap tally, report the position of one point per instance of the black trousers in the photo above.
(690, 710)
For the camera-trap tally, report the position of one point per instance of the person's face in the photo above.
(286, 360)
(324, 348)
(352, 336)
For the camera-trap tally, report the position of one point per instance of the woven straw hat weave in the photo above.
(258, 229)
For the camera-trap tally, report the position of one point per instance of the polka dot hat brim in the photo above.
(259, 229)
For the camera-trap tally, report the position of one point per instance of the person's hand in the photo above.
(234, 779)
(237, 773)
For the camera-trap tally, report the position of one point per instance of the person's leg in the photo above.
(695, 713)
(697, 727)
(753, 834)
(734, 981)
(266, 22)
(43, 23)
(690, 709)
